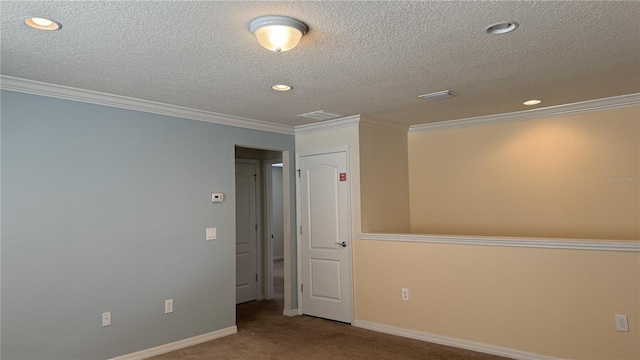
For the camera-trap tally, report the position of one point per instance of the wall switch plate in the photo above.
(106, 318)
(217, 197)
(168, 306)
(405, 294)
(621, 323)
(212, 233)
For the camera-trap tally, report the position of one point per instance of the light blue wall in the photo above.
(105, 209)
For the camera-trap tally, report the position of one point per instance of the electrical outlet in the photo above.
(168, 306)
(106, 319)
(405, 294)
(621, 323)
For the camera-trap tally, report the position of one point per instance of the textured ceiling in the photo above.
(369, 58)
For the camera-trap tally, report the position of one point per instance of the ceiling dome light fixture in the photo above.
(277, 33)
(281, 87)
(42, 24)
(532, 102)
(501, 28)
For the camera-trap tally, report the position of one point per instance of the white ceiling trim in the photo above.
(565, 109)
(384, 125)
(94, 97)
(328, 125)
(542, 243)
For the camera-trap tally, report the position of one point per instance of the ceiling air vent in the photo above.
(319, 115)
(438, 95)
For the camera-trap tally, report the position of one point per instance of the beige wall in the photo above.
(545, 301)
(539, 178)
(384, 184)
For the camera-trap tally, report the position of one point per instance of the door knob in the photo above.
(343, 244)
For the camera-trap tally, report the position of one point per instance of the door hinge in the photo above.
(256, 277)
(300, 230)
(301, 288)
(298, 172)
(256, 227)
(255, 177)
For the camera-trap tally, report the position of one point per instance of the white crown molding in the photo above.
(11, 83)
(565, 109)
(328, 125)
(94, 97)
(449, 341)
(544, 243)
(384, 125)
(177, 345)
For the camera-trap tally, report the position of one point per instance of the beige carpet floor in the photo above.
(264, 333)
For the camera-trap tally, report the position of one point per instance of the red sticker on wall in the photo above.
(343, 176)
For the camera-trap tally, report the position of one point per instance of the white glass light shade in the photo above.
(277, 33)
(278, 38)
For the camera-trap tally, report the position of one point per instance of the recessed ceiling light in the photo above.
(42, 23)
(532, 102)
(281, 87)
(501, 28)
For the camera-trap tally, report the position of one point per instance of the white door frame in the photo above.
(259, 262)
(341, 149)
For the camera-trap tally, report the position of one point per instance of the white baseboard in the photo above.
(448, 341)
(177, 345)
(279, 257)
(290, 312)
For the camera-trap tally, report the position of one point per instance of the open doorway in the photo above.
(259, 225)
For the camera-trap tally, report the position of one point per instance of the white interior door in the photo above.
(246, 232)
(325, 238)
